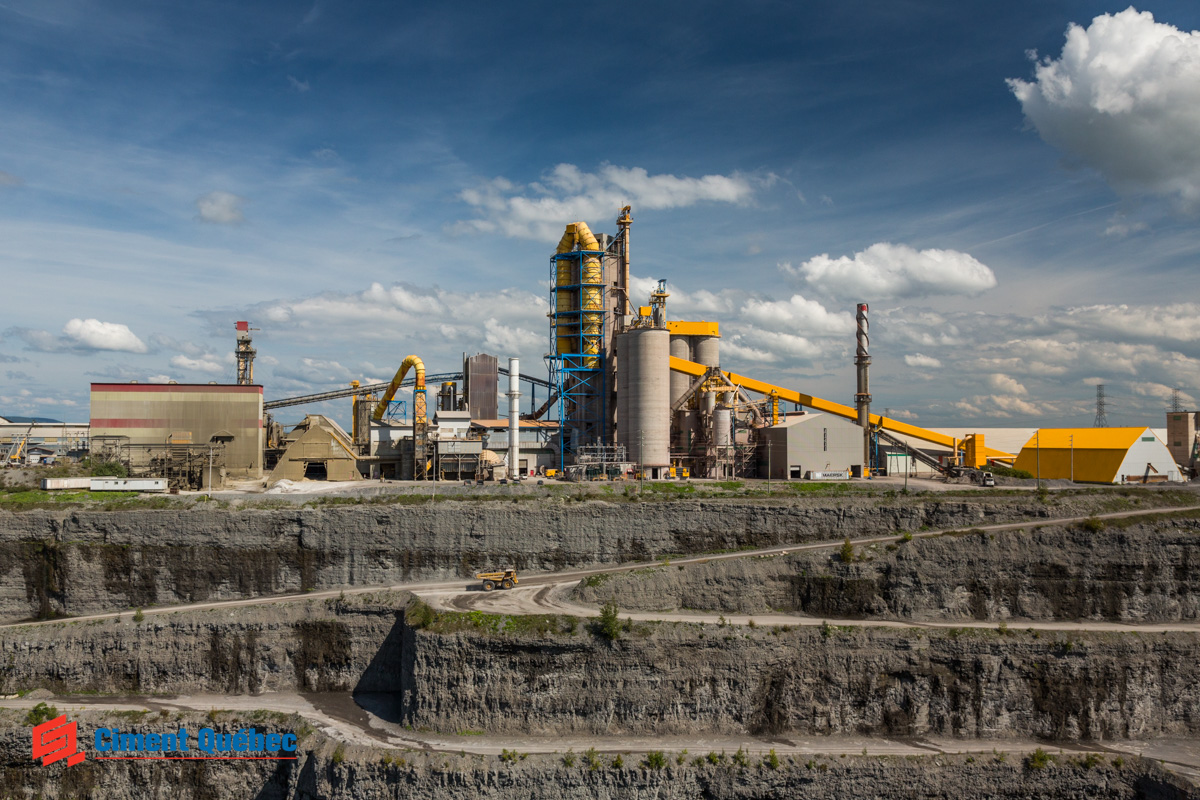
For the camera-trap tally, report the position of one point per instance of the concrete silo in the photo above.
(644, 389)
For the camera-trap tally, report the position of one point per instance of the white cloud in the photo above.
(1004, 383)
(797, 314)
(921, 360)
(540, 210)
(158, 379)
(92, 334)
(297, 84)
(222, 208)
(1175, 321)
(886, 270)
(208, 363)
(8, 179)
(1160, 391)
(1120, 226)
(1124, 98)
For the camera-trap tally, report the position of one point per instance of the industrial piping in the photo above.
(418, 413)
(514, 416)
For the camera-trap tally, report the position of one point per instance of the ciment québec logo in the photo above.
(57, 739)
(54, 740)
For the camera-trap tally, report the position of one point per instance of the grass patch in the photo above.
(421, 616)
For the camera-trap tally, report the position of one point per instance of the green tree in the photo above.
(847, 552)
(609, 624)
(39, 714)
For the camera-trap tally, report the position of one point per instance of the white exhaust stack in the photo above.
(514, 417)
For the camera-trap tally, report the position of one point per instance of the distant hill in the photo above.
(29, 419)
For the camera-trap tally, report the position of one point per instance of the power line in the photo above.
(1101, 405)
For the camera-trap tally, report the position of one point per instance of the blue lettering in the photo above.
(183, 734)
(132, 741)
(255, 741)
(289, 742)
(273, 742)
(239, 741)
(103, 740)
(204, 740)
(154, 741)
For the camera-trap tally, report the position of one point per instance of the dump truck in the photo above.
(505, 579)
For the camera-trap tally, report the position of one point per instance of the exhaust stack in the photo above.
(514, 417)
(862, 398)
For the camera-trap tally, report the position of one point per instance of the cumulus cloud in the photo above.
(1161, 392)
(221, 208)
(538, 210)
(921, 360)
(1173, 321)
(210, 364)
(1005, 383)
(886, 270)
(8, 179)
(797, 314)
(92, 334)
(1123, 98)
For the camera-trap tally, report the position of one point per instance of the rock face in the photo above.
(886, 682)
(325, 771)
(656, 679)
(55, 563)
(1148, 572)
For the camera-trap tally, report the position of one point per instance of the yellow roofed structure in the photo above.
(1098, 455)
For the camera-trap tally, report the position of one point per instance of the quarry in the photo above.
(976, 643)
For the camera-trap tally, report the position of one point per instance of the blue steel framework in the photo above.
(578, 377)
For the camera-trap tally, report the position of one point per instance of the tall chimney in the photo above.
(514, 418)
(862, 398)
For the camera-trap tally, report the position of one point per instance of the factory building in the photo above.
(317, 449)
(1098, 455)
(197, 435)
(1181, 438)
(807, 445)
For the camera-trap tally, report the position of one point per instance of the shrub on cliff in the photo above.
(608, 625)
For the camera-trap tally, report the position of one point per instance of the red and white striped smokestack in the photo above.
(862, 398)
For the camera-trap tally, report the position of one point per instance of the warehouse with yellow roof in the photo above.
(1098, 455)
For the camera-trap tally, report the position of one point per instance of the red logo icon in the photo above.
(55, 740)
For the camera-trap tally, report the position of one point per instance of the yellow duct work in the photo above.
(778, 393)
(590, 300)
(418, 408)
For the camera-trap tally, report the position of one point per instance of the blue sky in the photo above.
(366, 180)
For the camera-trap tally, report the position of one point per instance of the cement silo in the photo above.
(644, 389)
(706, 350)
(680, 381)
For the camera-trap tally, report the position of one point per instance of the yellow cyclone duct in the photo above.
(418, 407)
(589, 299)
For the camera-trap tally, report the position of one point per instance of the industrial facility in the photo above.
(630, 392)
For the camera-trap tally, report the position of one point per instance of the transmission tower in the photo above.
(1101, 405)
(1176, 403)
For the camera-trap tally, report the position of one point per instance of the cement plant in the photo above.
(654, 577)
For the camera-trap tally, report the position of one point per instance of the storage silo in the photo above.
(680, 381)
(722, 427)
(706, 350)
(644, 389)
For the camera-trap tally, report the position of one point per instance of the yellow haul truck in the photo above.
(505, 579)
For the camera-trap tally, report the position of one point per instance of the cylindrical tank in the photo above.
(680, 381)
(514, 416)
(722, 425)
(706, 350)
(644, 381)
(689, 424)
